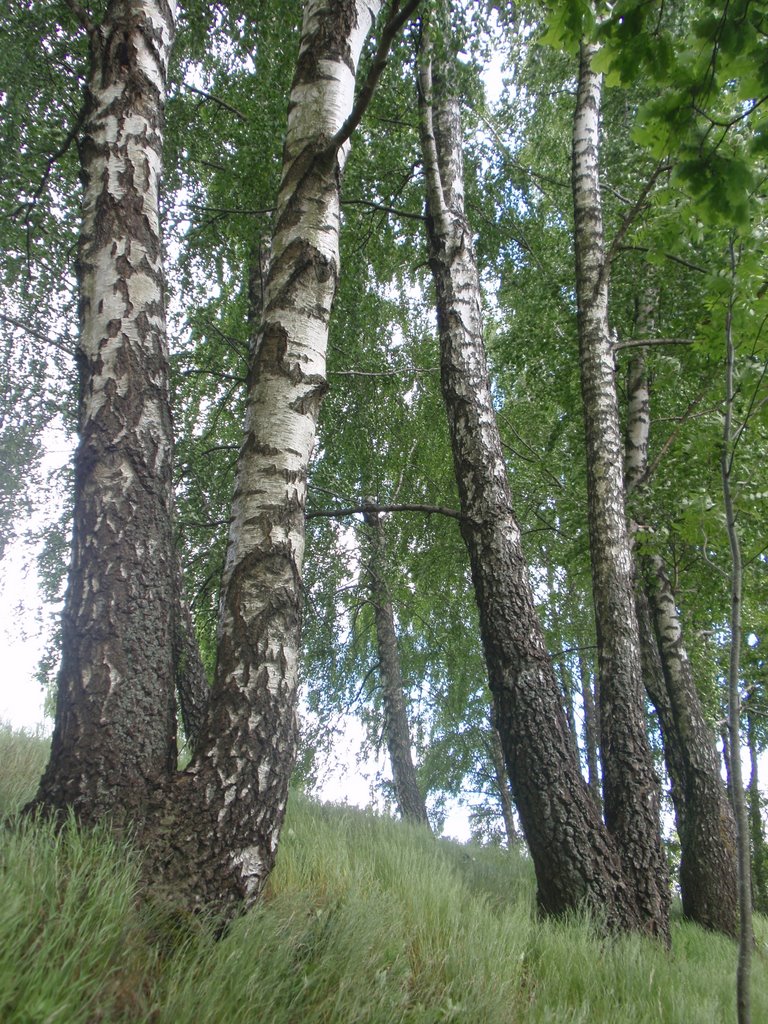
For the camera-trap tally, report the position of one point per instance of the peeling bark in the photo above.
(630, 787)
(115, 733)
(396, 731)
(575, 861)
(703, 813)
(219, 828)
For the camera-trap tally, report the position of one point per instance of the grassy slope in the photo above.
(366, 921)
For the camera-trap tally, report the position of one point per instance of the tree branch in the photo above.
(392, 27)
(667, 256)
(384, 373)
(83, 17)
(407, 214)
(629, 218)
(340, 513)
(642, 342)
(45, 338)
(218, 101)
(51, 162)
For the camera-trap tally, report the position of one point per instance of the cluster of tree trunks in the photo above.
(210, 832)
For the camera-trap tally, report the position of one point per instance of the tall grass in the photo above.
(23, 756)
(365, 920)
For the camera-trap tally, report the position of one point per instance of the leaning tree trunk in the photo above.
(217, 838)
(704, 817)
(574, 857)
(708, 882)
(122, 631)
(656, 689)
(630, 787)
(396, 731)
(496, 753)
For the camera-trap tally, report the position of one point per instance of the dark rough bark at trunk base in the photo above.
(707, 830)
(114, 740)
(630, 787)
(575, 859)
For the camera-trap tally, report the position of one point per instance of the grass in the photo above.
(365, 920)
(23, 756)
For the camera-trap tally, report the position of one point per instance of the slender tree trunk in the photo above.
(708, 881)
(191, 682)
(219, 828)
(562, 672)
(591, 732)
(630, 787)
(656, 688)
(703, 813)
(396, 731)
(746, 932)
(502, 782)
(115, 734)
(575, 860)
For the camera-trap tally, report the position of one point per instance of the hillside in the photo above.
(366, 921)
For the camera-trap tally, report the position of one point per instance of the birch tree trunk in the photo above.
(708, 882)
(396, 731)
(704, 817)
(575, 861)
(496, 751)
(591, 731)
(221, 819)
(114, 740)
(630, 787)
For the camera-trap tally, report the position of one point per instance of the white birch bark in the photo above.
(575, 861)
(631, 789)
(703, 814)
(231, 802)
(115, 723)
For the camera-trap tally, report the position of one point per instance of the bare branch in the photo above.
(20, 325)
(340, 513)
(390, 30)
(407, 214)
(28, 205)
(667, 256)
(642, 342)
(384, 373)
(83, 17)
(630, 217)
(218, 101)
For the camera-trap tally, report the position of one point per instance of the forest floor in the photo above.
(365, 921)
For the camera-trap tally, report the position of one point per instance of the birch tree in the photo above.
(123, 645)
(630, 787)
(396, 730)
(574, 857)
(703, 813)
(208, 833)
